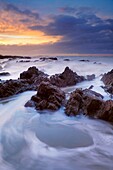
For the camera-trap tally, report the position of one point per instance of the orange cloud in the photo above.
(15, 32)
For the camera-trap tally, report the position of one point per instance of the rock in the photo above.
(90, 77)
(34, 75)
(48, 58)
(84, 60)
(4, 74)
(73, 105)
(91, 87)
(11, 87)
(66, 59)
(91, 104)
(29, 80)
(48, 97)
(31, 72)
(106, 112)
(53, 58)
(108, 81)
(23, 61)
(67, 78)
(13, 57)
(108, 78)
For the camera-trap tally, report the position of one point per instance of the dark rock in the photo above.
(74, 104)
(48, 58)
(66, 59)
(91, 87)
(67, 78)
(108, 78)
(31, 72)
(34, 75)
(11, 87)
(53, 58)
(23, 61)
(4, 74)
(29, 80)
(91, 104)
(90, 77)
(48, 97)
(84, 60)
(108, 81)
(13, 57)
(106, 112)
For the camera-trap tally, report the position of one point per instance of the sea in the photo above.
(30, 140)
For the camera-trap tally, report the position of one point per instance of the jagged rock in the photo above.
(32, 72)
(106, 112)
(67, 78)
(11, 87)
(108, 81)
(73, 105)
(108, 78)
(48, 97)
(29, 80)
(89, 103)
(34, 75)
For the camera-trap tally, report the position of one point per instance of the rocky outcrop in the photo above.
(108, 81)
(106, 111)
(29, 80)
(11, 87)
(67, 78)
(48, 97)
(108, 78)
(89, 103)
(34, 75)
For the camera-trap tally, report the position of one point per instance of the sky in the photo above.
(55, 27)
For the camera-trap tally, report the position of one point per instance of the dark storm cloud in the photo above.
(13, 8)
(87, 32)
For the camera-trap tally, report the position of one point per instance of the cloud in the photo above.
(73, 30)
(81, 33)
(77, 11)
(15, 9)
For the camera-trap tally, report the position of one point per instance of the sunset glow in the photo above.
(63, 28)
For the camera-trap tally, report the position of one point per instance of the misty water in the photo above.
(33, 140)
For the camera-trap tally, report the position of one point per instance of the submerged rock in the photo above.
(48, 97)
(90, 77)
(67, 78)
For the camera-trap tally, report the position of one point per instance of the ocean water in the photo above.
(52, 141)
